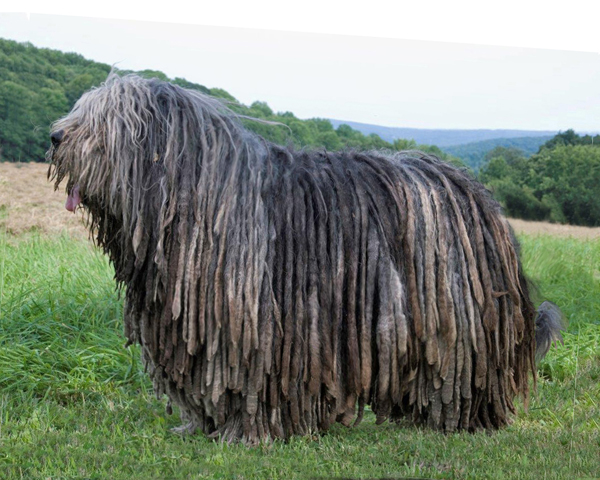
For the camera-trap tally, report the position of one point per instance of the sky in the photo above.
(362, 78)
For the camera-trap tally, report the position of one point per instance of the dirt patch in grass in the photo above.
(554, 229)
(28, 202)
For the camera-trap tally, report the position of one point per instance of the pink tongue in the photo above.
(73, 199)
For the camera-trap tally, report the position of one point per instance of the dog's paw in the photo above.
(185, 429)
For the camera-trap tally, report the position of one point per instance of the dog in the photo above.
(276, 291)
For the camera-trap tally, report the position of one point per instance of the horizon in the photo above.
(383, 82)
(470, 129)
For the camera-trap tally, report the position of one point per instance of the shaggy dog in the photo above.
(275, 292)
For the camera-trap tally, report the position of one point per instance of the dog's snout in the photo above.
(56, 137)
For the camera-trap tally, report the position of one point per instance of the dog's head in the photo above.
(131, 132)
(104, 141)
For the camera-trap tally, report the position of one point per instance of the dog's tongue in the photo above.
(73, 199)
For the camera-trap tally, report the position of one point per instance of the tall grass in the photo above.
(60, 320)
(75, 404)
(566, 271)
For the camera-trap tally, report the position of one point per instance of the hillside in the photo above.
(39, 85)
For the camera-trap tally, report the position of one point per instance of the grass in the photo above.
(75, 404)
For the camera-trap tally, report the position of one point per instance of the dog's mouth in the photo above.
(73, 200)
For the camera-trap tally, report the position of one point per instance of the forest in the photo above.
(560, 183)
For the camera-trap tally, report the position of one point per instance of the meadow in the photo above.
(74, 403)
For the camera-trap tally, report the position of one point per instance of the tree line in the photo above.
(560, 183)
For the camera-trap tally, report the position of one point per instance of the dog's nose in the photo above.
(56, 137)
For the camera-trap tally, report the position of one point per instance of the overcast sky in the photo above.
(392, 82)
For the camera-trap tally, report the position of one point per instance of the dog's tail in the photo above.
(548, 324)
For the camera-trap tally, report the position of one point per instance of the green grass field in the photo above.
(75, 404)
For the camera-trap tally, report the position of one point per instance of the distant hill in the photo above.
(442, 137)
(473, 153)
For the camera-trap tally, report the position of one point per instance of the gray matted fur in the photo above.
(275, 292)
